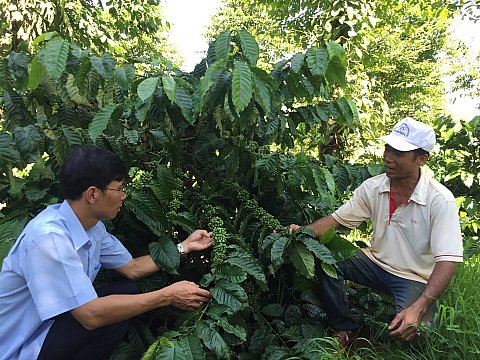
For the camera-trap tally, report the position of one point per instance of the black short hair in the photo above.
(419, 152)
(89, 166)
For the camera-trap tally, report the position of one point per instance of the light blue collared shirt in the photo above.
(50, 270)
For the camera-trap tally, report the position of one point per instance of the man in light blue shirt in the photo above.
(49, 308)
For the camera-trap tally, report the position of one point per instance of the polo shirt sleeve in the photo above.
(55, 276)
(356, 210)
(445, 233)
(113, 254)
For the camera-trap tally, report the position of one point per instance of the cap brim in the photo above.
(398, 143)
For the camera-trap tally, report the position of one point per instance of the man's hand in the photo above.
(404, 325)
(186, 295)
(198, 240)
(293, 227)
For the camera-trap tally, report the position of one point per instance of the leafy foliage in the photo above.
(200, 151)
(129, 29)
(394, 51)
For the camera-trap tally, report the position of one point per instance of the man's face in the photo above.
(111, 199)
(401, 164)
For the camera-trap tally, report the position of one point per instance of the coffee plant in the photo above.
(215, 149)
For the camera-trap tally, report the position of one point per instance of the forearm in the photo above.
(321, 225)
(112, 309)
(436, 285)
(138, 268)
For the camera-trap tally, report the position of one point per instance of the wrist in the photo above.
(181, 248)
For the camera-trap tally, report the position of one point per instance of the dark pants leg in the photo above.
(361, 270)
(68, 339)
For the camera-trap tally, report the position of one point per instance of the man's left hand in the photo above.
(198, 240)
(404, 325)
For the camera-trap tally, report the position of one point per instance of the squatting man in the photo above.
(49, 308)
(416, 237)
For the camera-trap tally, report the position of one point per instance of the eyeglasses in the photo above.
(122, 189)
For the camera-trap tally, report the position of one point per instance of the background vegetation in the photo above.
(258, 136)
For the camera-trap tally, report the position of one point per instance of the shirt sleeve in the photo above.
(55, 276)
(356, 210)
(113, 254)
(446, 236)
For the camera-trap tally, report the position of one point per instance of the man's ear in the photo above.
(422, 159)
(91, 194)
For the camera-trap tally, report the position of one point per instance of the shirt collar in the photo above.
(420, 192)
(79, 236)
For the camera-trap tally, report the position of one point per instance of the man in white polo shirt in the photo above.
(416, 240)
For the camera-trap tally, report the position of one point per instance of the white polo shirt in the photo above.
(420, 233)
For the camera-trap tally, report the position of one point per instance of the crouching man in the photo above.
(49, 308)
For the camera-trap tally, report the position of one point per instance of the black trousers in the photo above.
(68, 339)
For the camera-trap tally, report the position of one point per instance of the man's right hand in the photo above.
(186, 295)
(292, 228)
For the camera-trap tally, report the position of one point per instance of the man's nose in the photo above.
(387, 156)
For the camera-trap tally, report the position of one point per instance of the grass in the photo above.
(457, 334)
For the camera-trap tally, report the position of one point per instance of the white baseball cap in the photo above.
(409, 134)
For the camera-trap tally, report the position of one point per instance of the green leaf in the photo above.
(348, 110)
(36, 74)
(186, 221)
(184, 100)
(56, 54)
(72, 136)
(146, 210)
(150, 353)
(139, 336)
(9, 232)
(165, 350)
(231, 273)
(207, 81)
(329, 270)
(246, 261)
(262, 94)
(131, 136)
(165, 255)
(8, 152)
(329, 180)
(236, 330)
(268, 163)
(189, 348)
(278, 248)
(242, 88)
(147, 87)
(341, 249)
(34, 193)
(212, 340)
(124, 351)
(317, 60)
(302, 259)
(164, 185)
(44, 37)
(74, 93)
(273, 310)
(319, 250)
(105, 66)
(275, 352)
(229, 294)
(28, 139)
(124, 76)
(337, 65)
(297, 62)
(222, 46)
(102, 118)
(249, 46)
(327, 235)
(169, 86)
